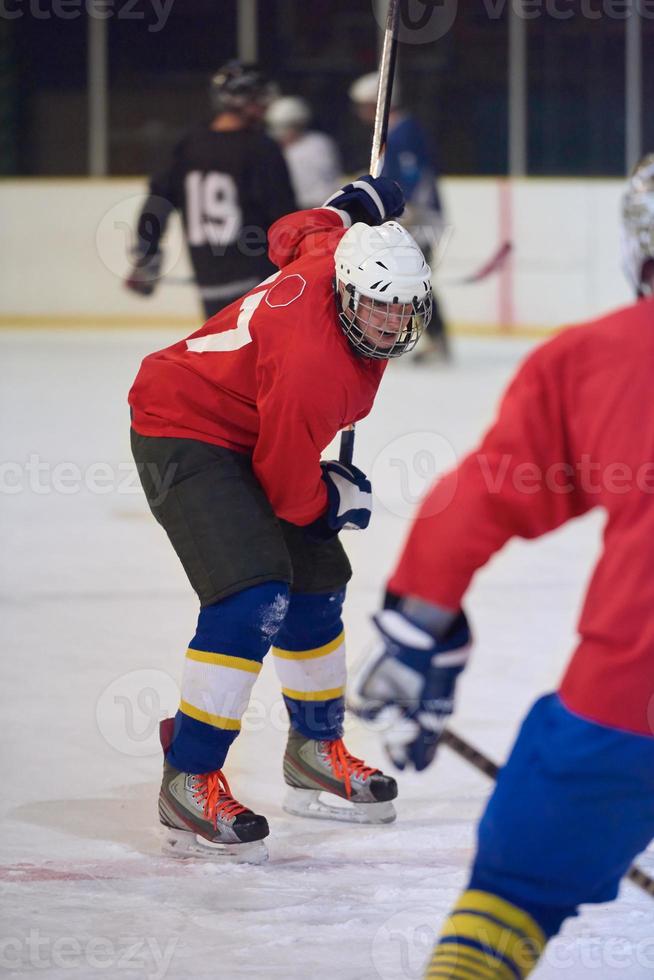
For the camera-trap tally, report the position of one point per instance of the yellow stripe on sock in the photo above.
(216, 721)
(515, 917)
(334, 692)
(501, 940)
(509, 935)
(223, 660)
(482, 965)
(310, 654)
(459, 959)
(454, 970)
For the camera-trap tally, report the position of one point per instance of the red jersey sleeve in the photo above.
(315, 232)
(517, 482)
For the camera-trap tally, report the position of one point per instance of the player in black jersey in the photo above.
(230, 183)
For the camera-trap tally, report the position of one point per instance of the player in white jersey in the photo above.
(313, 158)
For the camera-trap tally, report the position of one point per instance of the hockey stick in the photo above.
(494, 264)
(386, 75)
(490, 768)
(178, 281)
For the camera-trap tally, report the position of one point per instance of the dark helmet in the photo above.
(236, 86)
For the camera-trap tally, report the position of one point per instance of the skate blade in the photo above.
(315, 803)
(186, 844)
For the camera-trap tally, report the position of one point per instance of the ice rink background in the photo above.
(95, 616)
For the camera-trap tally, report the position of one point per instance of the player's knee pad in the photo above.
(244, 624)
(309, 653)
(486, 937)
(571, 809)
(222, 663)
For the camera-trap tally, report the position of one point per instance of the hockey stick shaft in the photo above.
(384, 92)
(490, 768)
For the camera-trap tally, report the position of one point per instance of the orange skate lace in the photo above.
(212, 789)
(344, 765)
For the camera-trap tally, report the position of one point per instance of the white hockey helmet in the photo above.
(287, 112)
(638, 226)
(364, 90)
(383, 289)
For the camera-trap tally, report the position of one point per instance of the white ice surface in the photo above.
(95, 616)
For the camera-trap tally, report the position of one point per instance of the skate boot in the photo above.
(315, 769)
(200, 817)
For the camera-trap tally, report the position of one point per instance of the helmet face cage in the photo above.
(638, 220)
(638, 224)
(371, 324)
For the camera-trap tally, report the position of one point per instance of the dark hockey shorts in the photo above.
(221, 525)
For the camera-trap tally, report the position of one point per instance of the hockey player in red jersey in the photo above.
(232, 422)
(575, 802)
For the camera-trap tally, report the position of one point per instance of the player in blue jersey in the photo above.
(410, 161)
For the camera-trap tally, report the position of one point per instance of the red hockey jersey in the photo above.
(272, 375)
(575, 431)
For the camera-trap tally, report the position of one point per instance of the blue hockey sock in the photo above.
(222, 663)
(309, 655)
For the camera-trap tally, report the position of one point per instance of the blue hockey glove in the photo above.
(349, 501)
(408, 685)
(369, 199)
(349, 496)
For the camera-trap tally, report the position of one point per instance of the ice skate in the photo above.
(201, 818)
(325, 781)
